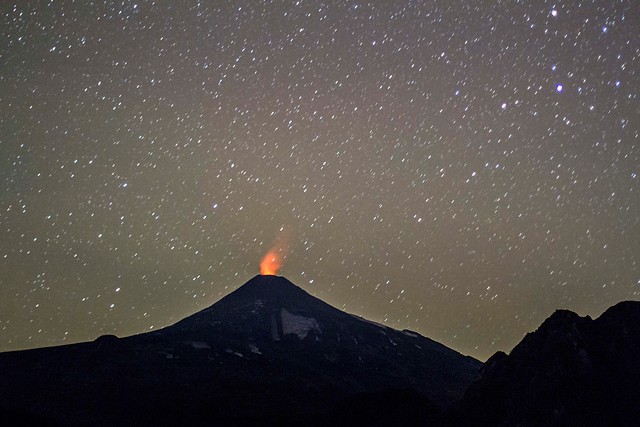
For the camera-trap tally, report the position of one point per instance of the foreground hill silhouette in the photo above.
(572, 371)
(268, 353)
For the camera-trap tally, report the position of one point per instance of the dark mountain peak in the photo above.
(628, 311)
(273, 292)
(258, 282)
(563, 321)
(571, 371)
(265, 307)
(564, 330)
(562, 315)
(270, 288)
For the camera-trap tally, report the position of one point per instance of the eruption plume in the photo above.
(274, 258)
(271, 263)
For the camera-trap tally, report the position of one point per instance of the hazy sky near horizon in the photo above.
(458, 168)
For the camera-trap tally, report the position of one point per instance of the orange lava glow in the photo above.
(271, 263)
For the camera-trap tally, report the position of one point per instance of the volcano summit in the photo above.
(267, 351)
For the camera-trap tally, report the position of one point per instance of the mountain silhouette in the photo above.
(572, 371)
(267, 352)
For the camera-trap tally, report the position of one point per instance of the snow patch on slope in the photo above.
(298, 325)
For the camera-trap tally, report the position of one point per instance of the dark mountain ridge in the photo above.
(572, 371)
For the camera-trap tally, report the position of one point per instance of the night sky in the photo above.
(457, 168)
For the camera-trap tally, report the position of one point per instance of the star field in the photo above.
(457, 168)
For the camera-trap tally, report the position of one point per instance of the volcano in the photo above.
(267, 352)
